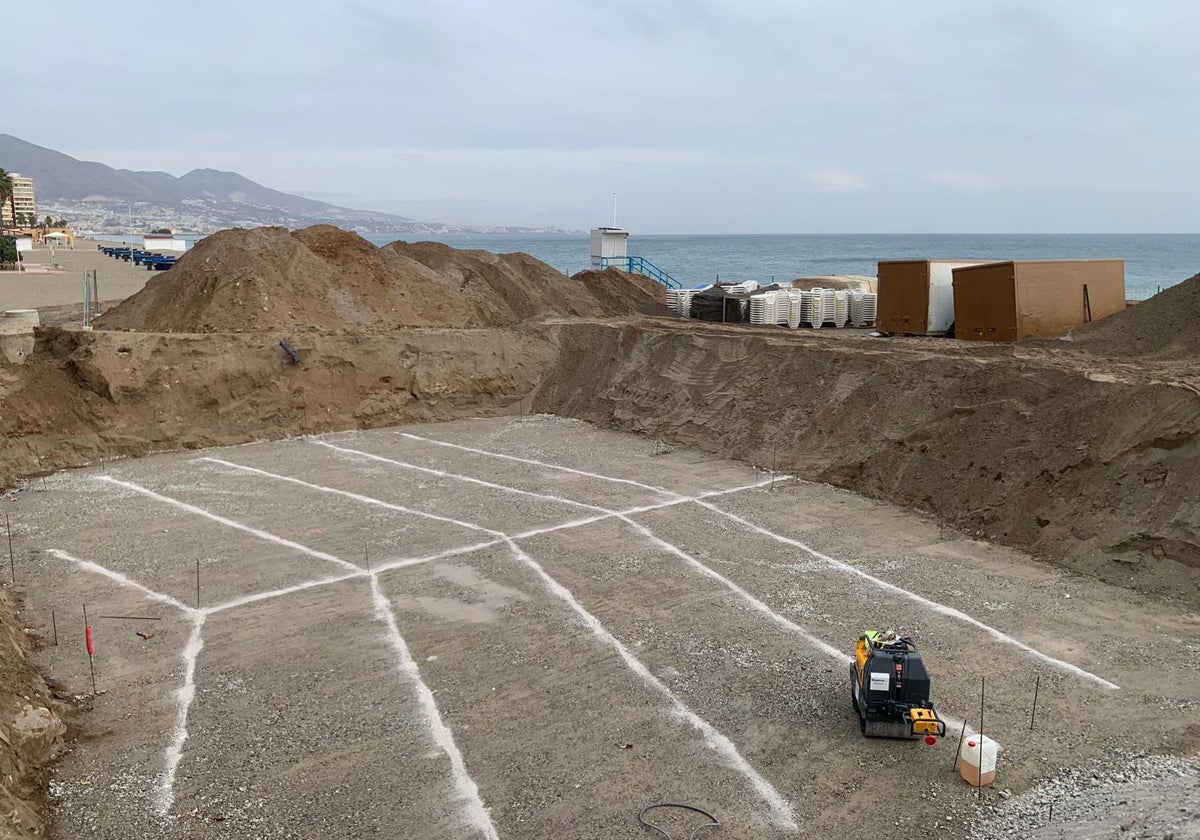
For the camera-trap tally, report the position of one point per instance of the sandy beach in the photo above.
(40, 288)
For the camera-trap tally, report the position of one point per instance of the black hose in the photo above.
(712, 821)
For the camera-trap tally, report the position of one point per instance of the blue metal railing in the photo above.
(641, 265)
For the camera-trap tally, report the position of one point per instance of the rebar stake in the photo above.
(979, 787)
(1033, 714)
(87, 635)
(41, 468)
(12, 563)
(961, 735)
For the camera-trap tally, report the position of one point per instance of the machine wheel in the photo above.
(858, 707)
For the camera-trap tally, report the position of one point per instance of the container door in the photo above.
(903, 302)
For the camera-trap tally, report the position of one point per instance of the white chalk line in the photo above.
(696, 564)
(559, 467)
(781, 812)
(268, 595)
(121, 579)
(937, 607)
(442, 736)
(165, 795)
(230, 523)
(358, 497)
(590, 520)
(940, 608)
(184, 696)
(479, 482)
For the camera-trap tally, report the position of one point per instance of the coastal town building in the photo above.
(22, 204)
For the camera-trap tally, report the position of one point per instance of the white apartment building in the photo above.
(23, 203)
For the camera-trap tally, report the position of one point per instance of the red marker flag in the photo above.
(90, 646)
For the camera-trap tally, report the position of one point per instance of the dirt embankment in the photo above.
(86, 396)
(1167, 326)
(31, 730)
(1101, 476)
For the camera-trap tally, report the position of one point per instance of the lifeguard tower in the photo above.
(610, 249)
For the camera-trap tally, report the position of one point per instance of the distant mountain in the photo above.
(60, 177)
(89, 192)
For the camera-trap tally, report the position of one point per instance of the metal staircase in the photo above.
(641, 265)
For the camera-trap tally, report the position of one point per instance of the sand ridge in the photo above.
(328, 279)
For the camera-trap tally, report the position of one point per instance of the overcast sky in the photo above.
(703, 116)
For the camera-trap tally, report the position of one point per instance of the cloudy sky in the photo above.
(704, 116)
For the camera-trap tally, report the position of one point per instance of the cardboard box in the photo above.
(1044, 298)
(916, 297)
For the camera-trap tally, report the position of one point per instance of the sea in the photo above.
(1152, 261)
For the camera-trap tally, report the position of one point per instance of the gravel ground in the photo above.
(587, 675)
(1123, 796)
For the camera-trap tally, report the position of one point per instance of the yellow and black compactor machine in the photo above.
(889, 687)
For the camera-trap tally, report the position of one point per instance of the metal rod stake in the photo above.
(12, 563)
(979, 787)
(1033, 714)
(962, 734)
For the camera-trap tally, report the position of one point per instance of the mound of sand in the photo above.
(1166, 325)
(270, 280)
(850, 282)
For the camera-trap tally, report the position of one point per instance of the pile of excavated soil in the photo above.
(611, 287)
(1167, 325)
(324, 278)
(31, 731)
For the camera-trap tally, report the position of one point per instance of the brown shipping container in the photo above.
(916, 296)
(1010, 300)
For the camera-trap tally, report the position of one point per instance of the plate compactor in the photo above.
(889, 687)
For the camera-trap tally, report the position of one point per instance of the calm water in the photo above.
(1151, 260)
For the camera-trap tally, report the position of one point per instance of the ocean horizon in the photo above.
(1153, 261)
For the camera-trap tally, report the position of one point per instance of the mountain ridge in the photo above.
(60, 177)
(90, 191)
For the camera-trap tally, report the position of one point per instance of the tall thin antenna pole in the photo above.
(614, 209)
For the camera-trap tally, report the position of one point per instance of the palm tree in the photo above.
(6, 193)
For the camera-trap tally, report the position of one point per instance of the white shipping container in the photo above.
(916, 297)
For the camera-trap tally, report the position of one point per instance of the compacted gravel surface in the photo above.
(542, 628)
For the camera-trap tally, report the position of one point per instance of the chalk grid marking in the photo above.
(839, 565)
(476, 811)
(787, 624)
(781, 812)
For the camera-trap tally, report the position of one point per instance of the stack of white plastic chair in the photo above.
(795, 307)
(758, 310)
(841, 308)
(863, 308)
(829, 298)
(681, 300)
(812, 310)
(783, 307)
